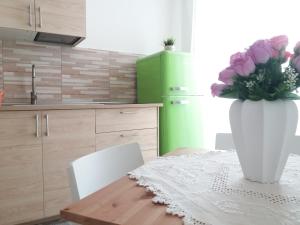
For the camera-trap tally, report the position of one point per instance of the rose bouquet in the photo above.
(258, 73)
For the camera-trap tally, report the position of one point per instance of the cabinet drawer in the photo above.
(108, 120)
(147, 139)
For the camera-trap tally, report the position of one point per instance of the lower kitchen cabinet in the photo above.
(70, 134)
(36, 148)
(21, 178)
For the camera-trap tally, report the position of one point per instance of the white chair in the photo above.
(224, 141)
(95, 171)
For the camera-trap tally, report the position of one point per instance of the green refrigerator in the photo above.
(168, 77)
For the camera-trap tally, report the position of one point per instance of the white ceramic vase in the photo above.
(261, 132)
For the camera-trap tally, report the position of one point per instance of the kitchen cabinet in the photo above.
(127, 125)
(21, 179)
(35, 151)
(57, 21)
(61, 17)
(18, 14)
(68, 135)
(38, 143)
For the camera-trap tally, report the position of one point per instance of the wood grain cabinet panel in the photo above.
(108, 120)
(36, 148)
(146, 138)
(70, 134)
(21, 180)
(149, 155)
(66, 17)
(17, 14)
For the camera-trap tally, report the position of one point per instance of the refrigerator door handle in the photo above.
(179, 88)
(180, 102)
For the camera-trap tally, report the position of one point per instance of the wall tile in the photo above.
(86, 58)
(85, 75)
(31, 53)
(84, 94)
(1, 44)
(1, 68)
(123, 85)
(66, 74)
(17, 83)
(123, 76)
(18, 58)
(123, 60)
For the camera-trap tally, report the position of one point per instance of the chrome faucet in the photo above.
(33, 92)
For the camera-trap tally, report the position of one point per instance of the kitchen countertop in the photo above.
(70, 106)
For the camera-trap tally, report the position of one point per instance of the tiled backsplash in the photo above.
(65, 74)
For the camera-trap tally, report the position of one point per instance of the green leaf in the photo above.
(255, 97)
(292, 96)
(229, 94)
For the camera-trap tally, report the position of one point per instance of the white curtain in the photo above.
(224, 27)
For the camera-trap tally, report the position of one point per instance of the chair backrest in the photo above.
(94, 171)
(224, 141)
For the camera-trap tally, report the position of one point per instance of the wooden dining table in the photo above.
(122, 203)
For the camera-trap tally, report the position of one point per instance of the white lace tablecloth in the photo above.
(209, 189)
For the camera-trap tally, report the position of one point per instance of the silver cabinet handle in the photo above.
(127, 112)
(179, 88)
(37, 134)
(47, 125)
(128, 135)
(180, 102)
(30, 16)
(41, 22)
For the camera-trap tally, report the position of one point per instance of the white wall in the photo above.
(187, 24)
(135, 26)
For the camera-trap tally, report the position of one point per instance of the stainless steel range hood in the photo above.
(57, 38)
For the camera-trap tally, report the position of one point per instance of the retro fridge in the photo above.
(168, 77)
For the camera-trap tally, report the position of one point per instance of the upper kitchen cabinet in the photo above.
(17, 14)
(55, 21)
(65, 17)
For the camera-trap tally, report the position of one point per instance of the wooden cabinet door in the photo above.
(61, 17)
(18, 14)
(21, 179)
(70, 134)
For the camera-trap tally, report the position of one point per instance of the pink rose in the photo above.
(287, 55)
(261, 51)
(227, 75)
(242, 64)
(217, 89)
(297, 48)
(296, 63)
(279, 42)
